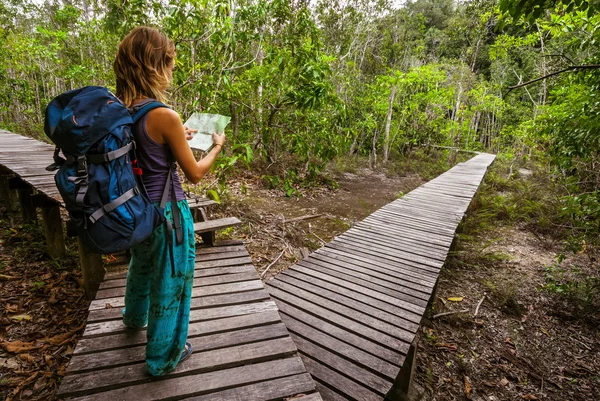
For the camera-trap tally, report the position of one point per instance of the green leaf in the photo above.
(214, 195)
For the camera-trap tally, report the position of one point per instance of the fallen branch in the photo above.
(450, 313)
(272, 263)
(310, 216)
(319, 238)
(478, 305)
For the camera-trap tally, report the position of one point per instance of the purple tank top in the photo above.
(153, 160)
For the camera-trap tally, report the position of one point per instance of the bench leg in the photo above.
(92, 269)
(403, 382)
(53, 230)
(208, 238)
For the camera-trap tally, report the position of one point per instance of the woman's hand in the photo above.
(189, 133)
(219, 139)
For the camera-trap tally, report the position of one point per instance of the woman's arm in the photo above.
(164, 126)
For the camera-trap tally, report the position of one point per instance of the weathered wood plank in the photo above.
(172, 386)
(399, 291)
(275, 389)
(114, 312)
(137, 354)
(400, 315)
(353, 390)
(343, 310)
(197, 315)
(138, 337)
(336, 319)
(394, 357)
(358, 356)
(198, 274)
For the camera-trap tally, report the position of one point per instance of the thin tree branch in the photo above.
(571, 68)
(559, 55)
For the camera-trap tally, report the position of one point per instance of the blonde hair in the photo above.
(143, 65)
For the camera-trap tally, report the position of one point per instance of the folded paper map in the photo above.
(206, 124)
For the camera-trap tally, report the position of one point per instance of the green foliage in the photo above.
(533, 9)
(315, 84)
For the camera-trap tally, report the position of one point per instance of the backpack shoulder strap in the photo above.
(141, 109)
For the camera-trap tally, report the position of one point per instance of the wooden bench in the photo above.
(353, 307)
(26, 186)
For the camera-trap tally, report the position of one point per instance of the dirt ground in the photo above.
(522, 344)
(276, 242)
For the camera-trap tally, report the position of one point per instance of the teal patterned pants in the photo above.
(156, 297)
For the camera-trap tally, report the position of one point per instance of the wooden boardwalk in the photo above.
(242, 350)
(28, 159)
(351, 309)
(354, 306)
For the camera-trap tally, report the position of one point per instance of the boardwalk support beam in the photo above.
(8, 196)
(400, 389)
(25, 192)
(92, 269)
(53, 231)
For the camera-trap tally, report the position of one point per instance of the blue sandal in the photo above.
(187, 351)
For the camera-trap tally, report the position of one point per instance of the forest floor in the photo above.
(522, 345)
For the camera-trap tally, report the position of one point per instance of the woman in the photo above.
(156, 294)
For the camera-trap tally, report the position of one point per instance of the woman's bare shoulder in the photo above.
(162, 123)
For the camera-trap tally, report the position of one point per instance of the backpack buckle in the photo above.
(82, 167)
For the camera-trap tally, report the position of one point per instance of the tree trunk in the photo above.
(386, 142)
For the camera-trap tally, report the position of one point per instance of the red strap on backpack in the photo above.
(136, 170)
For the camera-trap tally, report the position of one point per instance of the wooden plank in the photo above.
(347, 386)
(391, 252)
(201, 250)
(429, 220)
(360, 272)
(200, 273)
(198, 315)
(392, 232)
(292, 387)
(413, 312)
(394, 357)
(397, 270)
(364, 377)
(223, 262)
(104, 379)
(114, 312)
(358, 357)
(399, 243)
(372, 255)
(418, 271)
(172, 386)
(376, 336)
(344, 310)
(217, 224)
(385, 223)
(406, 301)
(137, 354)
(198, 288)
(329, 394)
(138, 337)
(431, 227)
(200, 257)
(368, 304)
(405, 289)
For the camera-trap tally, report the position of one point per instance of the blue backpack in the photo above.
(97, 178)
